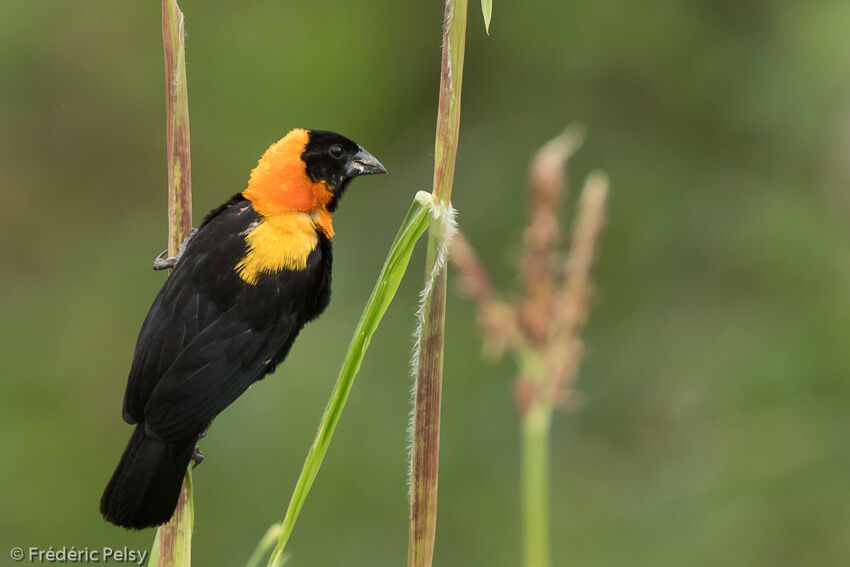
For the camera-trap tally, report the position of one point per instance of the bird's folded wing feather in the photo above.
(210, 373)
(202, 287)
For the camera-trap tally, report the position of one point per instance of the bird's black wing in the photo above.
(209, 335)
(231, 353)
(211, 372)
(195, 295)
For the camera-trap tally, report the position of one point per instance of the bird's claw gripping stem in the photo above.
(162, 263)
(197, 456)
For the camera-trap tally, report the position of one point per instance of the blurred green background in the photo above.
(714, 425)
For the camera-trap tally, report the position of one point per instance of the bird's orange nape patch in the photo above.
(280, 184)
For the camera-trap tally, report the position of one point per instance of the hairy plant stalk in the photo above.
(173, 544)
(428, 355)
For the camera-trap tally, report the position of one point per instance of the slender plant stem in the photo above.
(175, 537)
(177, 127)
(535, 485)
(448, 110)
(425, 446)
(425, 453)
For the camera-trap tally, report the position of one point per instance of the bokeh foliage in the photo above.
(715, 386)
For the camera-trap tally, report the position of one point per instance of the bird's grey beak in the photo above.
(364, 163)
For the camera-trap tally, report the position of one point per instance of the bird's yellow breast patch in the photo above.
(277, 243)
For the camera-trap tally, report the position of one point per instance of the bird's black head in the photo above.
(336, 160)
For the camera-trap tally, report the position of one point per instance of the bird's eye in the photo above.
(335, 151)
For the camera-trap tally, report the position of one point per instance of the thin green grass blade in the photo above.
(487, 10)
(412, 228)
(266, 544)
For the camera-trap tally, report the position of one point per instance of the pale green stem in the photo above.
(536, 419)
(535, 485)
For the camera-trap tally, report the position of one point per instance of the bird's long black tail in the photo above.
(144, 488)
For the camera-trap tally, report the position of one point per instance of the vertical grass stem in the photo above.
(173, 543)
(428, 355)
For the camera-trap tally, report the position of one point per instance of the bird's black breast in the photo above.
(209, 334)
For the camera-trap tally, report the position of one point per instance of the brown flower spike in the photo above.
(542, 329)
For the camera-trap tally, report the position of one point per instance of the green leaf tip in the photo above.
(487, 11)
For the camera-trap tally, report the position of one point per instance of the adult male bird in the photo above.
(257, 269)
